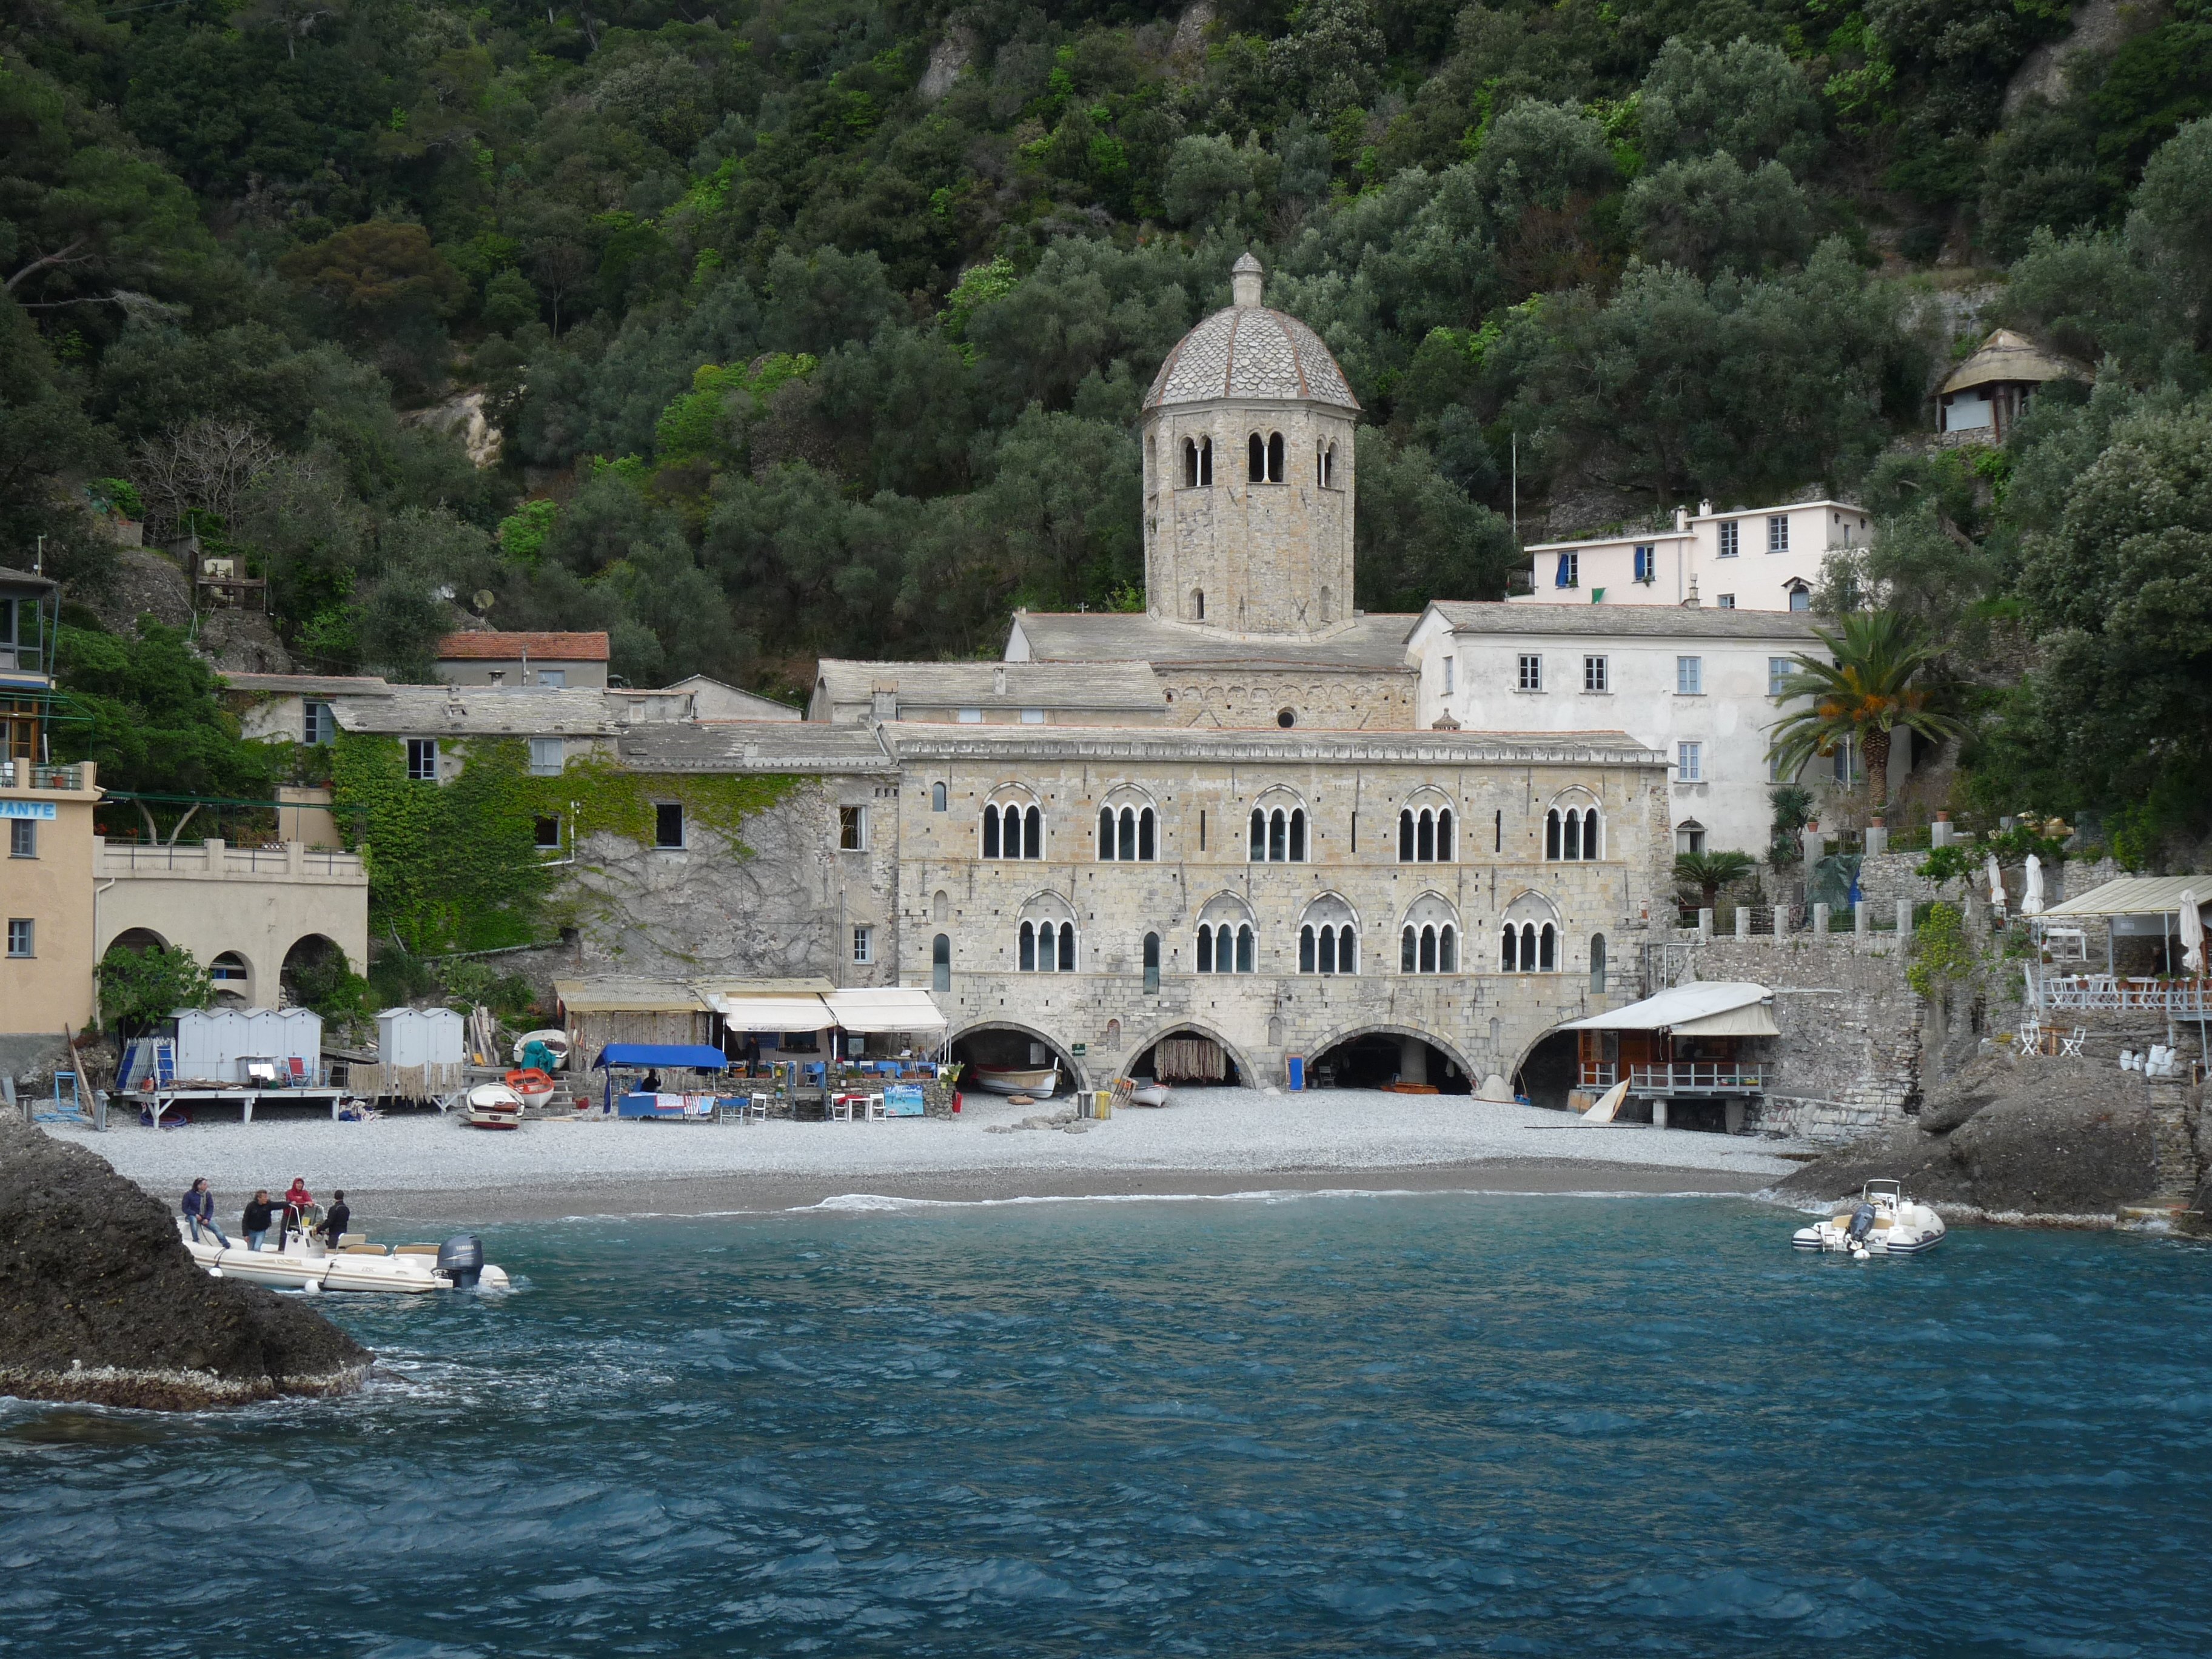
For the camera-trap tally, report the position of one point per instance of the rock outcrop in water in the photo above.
(100, 1301)
(2024, 1136)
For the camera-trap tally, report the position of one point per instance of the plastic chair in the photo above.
(841, 1109)
(876, 1114)
(757, 1107)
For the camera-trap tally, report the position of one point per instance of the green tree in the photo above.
(140, 989)
(1745, 98)
(1710, 215)
(1875, 683)
(1705, 874)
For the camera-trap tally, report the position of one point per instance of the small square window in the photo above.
(971, 717)
(1532, 672)
(1032, 717)
(1647, 564)
(549, 832)
(317, 726)
(863, 945)
(1730, 542)
(547, 756)
(1778, 533)
(1778, 671)
(22, 933)
(668, 824)
(852, 829)
(1689, 677)
(22, 838)
(422, 759)
(1597, 674)
(1727, 601)
(1689, 762)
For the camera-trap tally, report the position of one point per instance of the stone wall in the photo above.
(1850, 1058)
(1350, 700)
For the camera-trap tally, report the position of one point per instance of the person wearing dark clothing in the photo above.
(255, 1222)
(339, 1218)
(651, 1085)
(199, 1211)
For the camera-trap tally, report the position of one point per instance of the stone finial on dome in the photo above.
(1244, 280)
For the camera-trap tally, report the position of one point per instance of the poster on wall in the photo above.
(903, 1100)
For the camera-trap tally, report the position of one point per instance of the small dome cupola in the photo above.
(1247, 444)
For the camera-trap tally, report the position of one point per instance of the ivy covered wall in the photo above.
(456, 865)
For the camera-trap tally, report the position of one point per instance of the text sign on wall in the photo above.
(25, 809)
(903, 1100)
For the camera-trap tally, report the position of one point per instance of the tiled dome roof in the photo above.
(1247, 352)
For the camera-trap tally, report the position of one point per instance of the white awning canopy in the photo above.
(2134, 895)
(1724, 1008)
(885, 1008)
(802, 1012)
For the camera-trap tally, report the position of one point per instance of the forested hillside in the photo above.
(822, 326)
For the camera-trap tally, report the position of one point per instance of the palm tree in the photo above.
(1870, 690)
(1710, 872)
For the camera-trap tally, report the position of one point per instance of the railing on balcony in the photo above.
(128, 855)
(25, 774)
(1600, 1074)
(1695, 1076)
(2109, 991)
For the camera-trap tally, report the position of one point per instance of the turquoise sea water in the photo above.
(1319, 1426)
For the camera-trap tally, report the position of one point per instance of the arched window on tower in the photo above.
(1205, 463)
(1255, 459)
(1151, 965)
(1189, 464)
(1329, 467)
(940, 962)
(1278, 468)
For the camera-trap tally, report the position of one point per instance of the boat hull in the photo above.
(299, 1268)
(998, 1081)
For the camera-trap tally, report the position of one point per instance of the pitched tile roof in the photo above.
(486, 647)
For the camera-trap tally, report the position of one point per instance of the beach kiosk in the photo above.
(675, 1105)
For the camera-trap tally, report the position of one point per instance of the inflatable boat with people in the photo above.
(303, 1262)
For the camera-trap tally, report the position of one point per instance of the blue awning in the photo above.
(695, 1056)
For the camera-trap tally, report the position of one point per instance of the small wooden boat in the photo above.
(1149, 1094)
(1043, 1082)
(532, 1085)
(494, 1106)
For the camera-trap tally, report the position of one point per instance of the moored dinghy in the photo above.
(1043, 1082)
(303, 1263)
(1884, 1222)
(494, 1106)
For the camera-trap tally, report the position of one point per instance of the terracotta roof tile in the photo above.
(485, 646)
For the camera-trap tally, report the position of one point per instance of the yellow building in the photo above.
(47, 896)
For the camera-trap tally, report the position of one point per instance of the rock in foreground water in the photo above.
(100, 1301)
(2010, 1135)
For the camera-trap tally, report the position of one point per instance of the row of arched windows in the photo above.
(1275, 835)
(1232, 947)
(1266, 461)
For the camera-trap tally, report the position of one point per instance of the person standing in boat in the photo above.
(199, 1211)
(339, 1218)
(254, 1224)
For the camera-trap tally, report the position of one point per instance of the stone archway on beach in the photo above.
(1462, 1075)
(974, 1039)
(1248, 1075)
(1546, 1070)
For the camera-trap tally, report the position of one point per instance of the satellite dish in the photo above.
(485, 597)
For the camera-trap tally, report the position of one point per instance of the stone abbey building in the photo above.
(1217, 820)
(1220, 820)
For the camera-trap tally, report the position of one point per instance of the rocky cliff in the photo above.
(100, 1301)
(2028, 1137)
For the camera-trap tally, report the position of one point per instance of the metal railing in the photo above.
(2109, 991)
(128, 855)
(25, 774)
(1600, 1074)
(1690, 1076)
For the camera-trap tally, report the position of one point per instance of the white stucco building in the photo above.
(1760, 558)
(1696, 684)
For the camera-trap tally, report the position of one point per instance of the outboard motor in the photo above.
(460, 1258)
(1862, 1224)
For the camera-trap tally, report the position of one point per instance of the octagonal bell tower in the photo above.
(1248, 440)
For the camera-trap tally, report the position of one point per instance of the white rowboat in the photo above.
(1002, 1080)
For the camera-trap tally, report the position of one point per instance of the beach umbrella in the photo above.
(2192, 932)
(1997, 882)
(2030, 903)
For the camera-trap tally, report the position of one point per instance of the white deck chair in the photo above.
(876, 1114)
(2069, 1048)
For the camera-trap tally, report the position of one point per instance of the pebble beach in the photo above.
(1206, 1142)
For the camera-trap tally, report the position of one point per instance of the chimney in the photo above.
(999, 682)
(1245, 277)
(1692, 604)
(883, 700)
(1681, 518)
(1704, 509)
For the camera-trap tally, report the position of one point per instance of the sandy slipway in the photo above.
(1208, 1140)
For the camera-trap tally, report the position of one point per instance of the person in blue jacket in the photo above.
(199, 1211)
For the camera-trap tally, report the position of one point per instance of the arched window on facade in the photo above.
(1276, 829)
(940, 908)
(1013, 829)
(1572, 832)
(1597, 962)
(1227, 941)
(1151, 965)
(1255, 460)
(1198, 604)
(1189, 464)
(1328, 937)
(1426, 832)
(1428, 939)
(1128, 828)
(940, 962)
(1528, 940)
(1045, 943)
(1328, 466)
(937, 798)
(1278, 458)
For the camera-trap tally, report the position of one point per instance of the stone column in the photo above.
(1820, 924)
(1862, 920)
(1704, 924)
(1877, 840)
(1659, 1113)
(1905, 919)
(1412, 1061)
(1743, 922)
